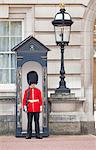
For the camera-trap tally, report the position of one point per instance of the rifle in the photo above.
(27, 97)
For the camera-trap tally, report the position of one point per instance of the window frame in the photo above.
(10, 87)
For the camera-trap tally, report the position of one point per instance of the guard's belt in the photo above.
(33, 100)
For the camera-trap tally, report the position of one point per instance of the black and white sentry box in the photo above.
(31, 55)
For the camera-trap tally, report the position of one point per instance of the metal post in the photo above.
(62, 83)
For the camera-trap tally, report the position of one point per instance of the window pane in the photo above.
(15, 41)
(16, 29)
(13, 61)
(4, 43)
(4, 61)
(4, 76)
(4, 28)
(10, 35)
(13, 76)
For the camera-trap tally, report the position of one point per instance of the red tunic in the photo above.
(35, 100)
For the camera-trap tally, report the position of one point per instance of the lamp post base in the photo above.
(62, 89)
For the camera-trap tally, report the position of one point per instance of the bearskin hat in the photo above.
(32, 77)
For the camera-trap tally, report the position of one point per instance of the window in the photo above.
(10, 35)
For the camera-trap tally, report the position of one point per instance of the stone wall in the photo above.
(7, 117)
(36, 17)
(40, 27)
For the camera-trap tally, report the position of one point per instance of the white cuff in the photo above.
(40, 108)
(25, 108)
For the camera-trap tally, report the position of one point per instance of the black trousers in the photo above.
(29, 125)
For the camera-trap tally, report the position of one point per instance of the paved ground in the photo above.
(86, 142)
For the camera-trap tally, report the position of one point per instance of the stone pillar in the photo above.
(67, 115)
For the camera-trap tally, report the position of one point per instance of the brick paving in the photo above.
(85, 142)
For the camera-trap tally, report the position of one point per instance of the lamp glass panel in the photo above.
(66, 33)
(59, 17)
(58, 34)
(62, 33)
(66, 16)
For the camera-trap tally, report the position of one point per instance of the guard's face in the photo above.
(32, 85)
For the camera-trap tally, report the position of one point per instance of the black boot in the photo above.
(28, 137)
(39, 137)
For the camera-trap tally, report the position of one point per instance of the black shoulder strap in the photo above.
(28, 95)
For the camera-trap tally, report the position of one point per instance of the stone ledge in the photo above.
(9, 100)
(43, 2)
(9, 118)
(5, 96)
(62, 95)
(65, 97)
(64, 117)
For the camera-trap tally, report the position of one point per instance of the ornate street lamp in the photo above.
(62, 27)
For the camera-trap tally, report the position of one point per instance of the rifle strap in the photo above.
(27, 97)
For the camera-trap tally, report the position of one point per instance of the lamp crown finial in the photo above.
(61, 5)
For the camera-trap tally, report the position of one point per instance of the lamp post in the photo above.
(62, 27)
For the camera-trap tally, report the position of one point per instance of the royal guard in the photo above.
(32, 104)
